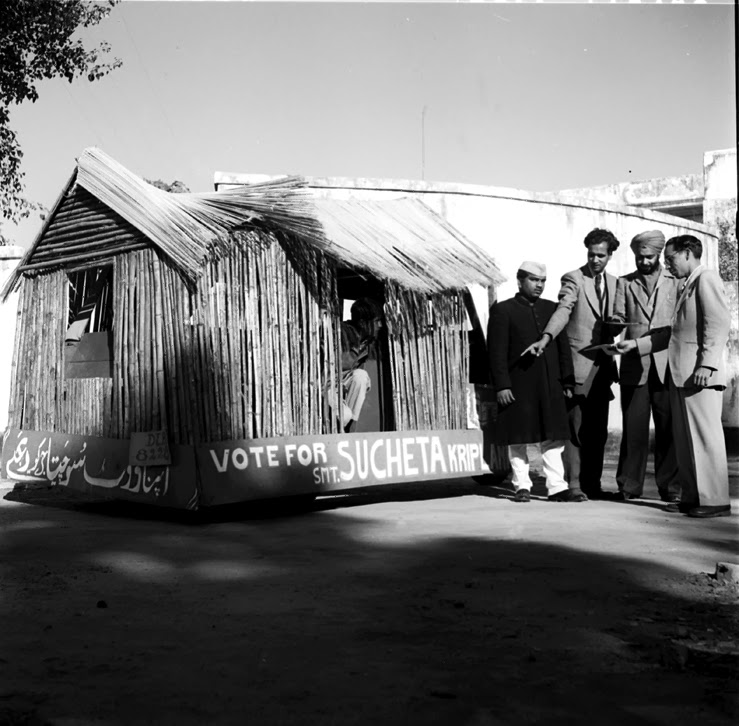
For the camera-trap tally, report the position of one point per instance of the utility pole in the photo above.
(423, 143)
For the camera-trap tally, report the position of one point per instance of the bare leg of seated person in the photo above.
(356, 383)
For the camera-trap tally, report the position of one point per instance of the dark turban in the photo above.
(650, 243)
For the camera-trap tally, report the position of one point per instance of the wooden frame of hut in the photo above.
(183, 349)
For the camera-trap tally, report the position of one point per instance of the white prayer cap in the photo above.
(533, 268)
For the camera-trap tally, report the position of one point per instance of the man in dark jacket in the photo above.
(531, 389)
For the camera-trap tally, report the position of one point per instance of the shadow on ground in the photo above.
(342, 614)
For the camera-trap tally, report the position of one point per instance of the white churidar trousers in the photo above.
(554, 471)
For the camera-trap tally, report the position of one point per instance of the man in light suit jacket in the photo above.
(586, 301)
(695, 345)
(645, 300)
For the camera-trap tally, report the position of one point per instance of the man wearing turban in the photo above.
(530, 390)
(645, 301)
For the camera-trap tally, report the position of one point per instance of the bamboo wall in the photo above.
(250, 353)
(40, 397)
(429, 359)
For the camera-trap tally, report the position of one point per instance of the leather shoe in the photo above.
(568, 495)
(677, 506)
(522, 495)
(723, 510)
(626, 497)
(605, 496)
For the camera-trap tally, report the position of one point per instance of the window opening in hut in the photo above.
(89, 336)
(371, 359)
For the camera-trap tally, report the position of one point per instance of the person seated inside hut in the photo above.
(357, 336)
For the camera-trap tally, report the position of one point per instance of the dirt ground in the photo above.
(442, 603)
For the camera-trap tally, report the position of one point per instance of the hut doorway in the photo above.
(377, 411)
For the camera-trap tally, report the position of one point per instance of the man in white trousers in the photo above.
(530, 389)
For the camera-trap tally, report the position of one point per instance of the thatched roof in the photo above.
(106, 210)
(405, 241)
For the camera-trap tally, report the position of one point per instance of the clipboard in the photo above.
(609, 347)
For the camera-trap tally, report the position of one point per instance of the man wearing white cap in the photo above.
(645, 301)
(531, 389)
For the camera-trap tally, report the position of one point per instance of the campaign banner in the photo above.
(234, 471)
(97, 465)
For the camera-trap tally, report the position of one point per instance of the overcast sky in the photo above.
(533, 96)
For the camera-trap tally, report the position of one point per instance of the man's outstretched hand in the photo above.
(537, 348)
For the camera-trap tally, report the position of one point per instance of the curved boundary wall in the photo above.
(514, 225)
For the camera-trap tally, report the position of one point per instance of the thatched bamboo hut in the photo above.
(178, 348)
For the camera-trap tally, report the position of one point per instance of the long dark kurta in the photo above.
(539, 411)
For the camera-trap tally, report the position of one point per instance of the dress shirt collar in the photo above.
(697, 271)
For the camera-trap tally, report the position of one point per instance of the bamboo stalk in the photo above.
(137, 383)
(312, 379)
(149, 346)
(87, 215)
(281, 366)
(82, 227)
(296, 363)
(76, 203)
(229, 367)
(215, 347)
(44, 353)
(239, 343)
(301, 329)
(62, 287)
(256, 347)
(187, 383)
(107, 252)
(271, 352)
(15, 406)
(172, 364)
(125, 328)
(206, 389)
(115, 419)
(245, 340)
(74, 243)
(139, 380)
(68, 244)
(32, 362)
(159, 338)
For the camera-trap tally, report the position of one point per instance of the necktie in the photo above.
(599, 292)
